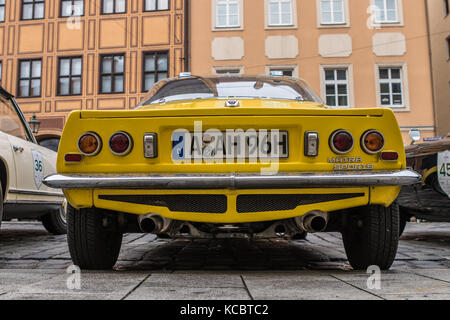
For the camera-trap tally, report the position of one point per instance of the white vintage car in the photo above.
(23, 166)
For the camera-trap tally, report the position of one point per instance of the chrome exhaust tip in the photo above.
(151, 223)
(313, 221)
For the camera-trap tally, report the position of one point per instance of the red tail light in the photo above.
(341, 141)
(120, 143)
(389, 156)
(73, 157)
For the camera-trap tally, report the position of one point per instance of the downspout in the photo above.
(433, 99)
(187, 36)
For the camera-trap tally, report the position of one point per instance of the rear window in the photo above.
(230, 88)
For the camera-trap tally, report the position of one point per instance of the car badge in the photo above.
(232, 103)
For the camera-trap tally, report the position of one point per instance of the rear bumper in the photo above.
(235, 180)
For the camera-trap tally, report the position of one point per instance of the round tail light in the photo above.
(341, 142)
(89, 144)
(372, 142)
(120, 143)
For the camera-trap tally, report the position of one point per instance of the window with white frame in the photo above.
(227, 14)
(386, 11)
(391, 86)
(336, 87)
(332, 12)
(280, 12)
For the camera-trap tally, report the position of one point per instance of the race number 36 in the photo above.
(444, 171)
(38, 167)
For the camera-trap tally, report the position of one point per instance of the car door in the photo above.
(32, 162)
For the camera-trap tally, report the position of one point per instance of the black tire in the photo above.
(55, 222)
(404, 219)
(92, 246)
(371, 237)
(433, 182)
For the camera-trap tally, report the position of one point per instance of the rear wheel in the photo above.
(371, 236)
(433, 181)
(56, 222)
(94, 244)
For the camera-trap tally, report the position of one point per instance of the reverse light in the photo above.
(120, 143)
(311, 144)
(150, 145)
(341, 142)
(89, 144)
(372, 141)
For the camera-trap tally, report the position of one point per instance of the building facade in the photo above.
(439, 35)
(62, 55)
(355, 53)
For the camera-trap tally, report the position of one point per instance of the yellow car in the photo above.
(253, 157)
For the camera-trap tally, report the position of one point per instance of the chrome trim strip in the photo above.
(235, 180)
(36, 193)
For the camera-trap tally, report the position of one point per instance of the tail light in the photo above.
(120, 143)
(372, 141)
(73, 157)
(89, 144)
(389, 156)
(341, 142)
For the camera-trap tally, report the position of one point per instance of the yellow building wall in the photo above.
(131, 33)
(439, 30)
(419, 112)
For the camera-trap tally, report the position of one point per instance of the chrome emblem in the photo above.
(232, 103)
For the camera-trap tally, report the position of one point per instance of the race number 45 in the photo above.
(444, 171)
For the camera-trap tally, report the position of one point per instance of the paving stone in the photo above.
(301, 286)
(33, 265)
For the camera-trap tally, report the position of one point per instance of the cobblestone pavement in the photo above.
(33, 265)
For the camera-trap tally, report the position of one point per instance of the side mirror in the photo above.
(415, 135)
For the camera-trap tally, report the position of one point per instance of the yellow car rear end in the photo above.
(227, 166)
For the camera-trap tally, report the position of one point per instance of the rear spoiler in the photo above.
(190, 112)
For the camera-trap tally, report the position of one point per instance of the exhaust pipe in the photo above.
(151, 223)
(313, 221)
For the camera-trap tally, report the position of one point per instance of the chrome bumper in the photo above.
(235, 180)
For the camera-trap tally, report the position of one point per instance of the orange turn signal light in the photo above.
(372, 141)
(89, 144)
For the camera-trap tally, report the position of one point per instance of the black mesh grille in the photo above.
(177, 202)
(281, 202)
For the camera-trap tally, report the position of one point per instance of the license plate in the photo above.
(232, 144)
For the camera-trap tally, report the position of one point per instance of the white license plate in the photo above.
(232, 144)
